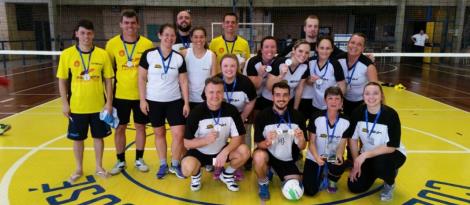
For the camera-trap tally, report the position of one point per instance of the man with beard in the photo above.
(279, 134)
(183, 24)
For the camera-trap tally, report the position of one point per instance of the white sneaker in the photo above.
(196, 182)
(229, 180)
(141, 166)
(387, 192)
(118, 167)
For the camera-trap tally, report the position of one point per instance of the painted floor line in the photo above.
(439, 138)
(6, 179)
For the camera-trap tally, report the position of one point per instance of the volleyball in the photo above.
(293, 190)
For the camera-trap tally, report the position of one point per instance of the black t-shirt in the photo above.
(243, 92)
(284, 147)
(387, 130)
(202, 120)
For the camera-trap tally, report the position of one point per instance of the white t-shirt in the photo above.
(199, 69)
(420, 39)
(161, 86)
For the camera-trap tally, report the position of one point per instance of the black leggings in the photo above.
(384, 166)
(312, 179)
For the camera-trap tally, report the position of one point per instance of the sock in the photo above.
(229, 170)
(121, 157)
(263, 181)
(198, 175)
(162, 162)
(139, 154)
(175, 162)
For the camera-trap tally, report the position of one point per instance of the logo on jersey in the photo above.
(221, 50)
(323, 136)
(76, 63)
(121, 53)
(211, 126)
(89, 71)
(158, 66)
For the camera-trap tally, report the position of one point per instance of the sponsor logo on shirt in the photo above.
(221, 50)
(76, 63)
(121, 53)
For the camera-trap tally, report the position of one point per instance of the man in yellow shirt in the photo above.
(230, 42)
(125, 51)
(81, 72)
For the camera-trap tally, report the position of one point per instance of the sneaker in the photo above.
(229, 180)
(177, 171)
(263, 192)
(118, 167)
(238, 175)
(209, 168)
(4, 128)
(332, 188)
(387, 192)
(141, 166)
(162, 171)
(196, 182)
(217, 172)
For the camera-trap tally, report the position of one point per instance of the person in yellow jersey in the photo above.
(125, 51)
(230, 42)
(82, 69)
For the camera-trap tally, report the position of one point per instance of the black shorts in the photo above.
(192, 105)
(204, 159)
(78, 126)
(306, 108)
(172, 111)
(283, 168)
(124, 108)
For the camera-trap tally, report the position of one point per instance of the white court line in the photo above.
(7, 100)
(445, 87)
(29, 109)
(389, 71)
(438, 137)
(447, 105)
(19, 73)
(39, 113)
(31, 88)
(436, 152)
(6, 179)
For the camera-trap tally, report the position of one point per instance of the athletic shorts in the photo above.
(283, 168)
(79, 123)
(171, 111)
(124, 108)
(204, 159)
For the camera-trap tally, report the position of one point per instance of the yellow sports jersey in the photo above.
(127, 75)
(87, 91)
(238, 47)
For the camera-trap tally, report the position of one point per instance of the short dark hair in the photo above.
(129, 14)
(230, 14)
(85, 23)
(164, 26)
(327, 38)
(362, 35)
(213, 80)
(311, 17)
(199, 28)
(281, 84)
(265, 39)
(335, 91)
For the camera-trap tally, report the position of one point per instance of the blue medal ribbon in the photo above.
(330, 137)
(184, 41)
(216, 120)
(317, 66)
(353, 68)
(129, 57)
(283, 120)
(233, 45)
(229, 96)
(86, 68)
(369, 133)
(167, 66)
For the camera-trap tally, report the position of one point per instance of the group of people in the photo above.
(212, 96)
